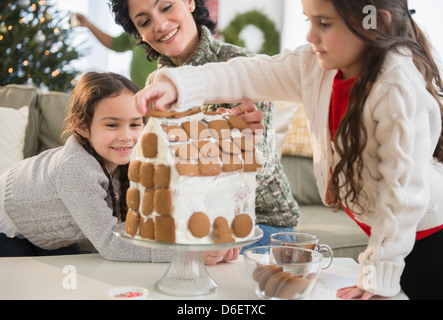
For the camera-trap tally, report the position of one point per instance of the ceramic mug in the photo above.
(303, 240)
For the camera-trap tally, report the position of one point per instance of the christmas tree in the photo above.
(34, 45)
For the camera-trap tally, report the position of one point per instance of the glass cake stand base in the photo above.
(187, 274)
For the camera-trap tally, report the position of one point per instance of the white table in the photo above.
(89, 276)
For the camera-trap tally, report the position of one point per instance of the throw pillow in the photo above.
(284, 112)
(13, 124)
(298, 139)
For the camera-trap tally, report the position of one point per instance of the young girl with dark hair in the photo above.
(52, 201)
(372, 94)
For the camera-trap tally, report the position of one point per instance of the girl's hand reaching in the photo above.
(354, 293)
(163, 94)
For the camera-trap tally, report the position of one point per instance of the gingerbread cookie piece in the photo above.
(221, 231)
(209, 167)
(175, 133)
(133, 198)
(227, 146)
(291, 286)
(159, 113)
(222, 129)
(278, 283)
(185, 168)
(147, 228)
(131, 223)
(165, 229)
(163, 202)
(147, 174)
(274, 283)
(186, 151)
(242, 225)
(149, 145)
(148, 202)
(211, 113)
(162, 176)
(196, 130)
(134, 170)
(199, 224)
(244, 143)
(251, 162)
(231, 162)
(235, 122)
(185, 113)
(264, 273)
(207, 148)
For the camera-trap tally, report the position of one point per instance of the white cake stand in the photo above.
(187, 274)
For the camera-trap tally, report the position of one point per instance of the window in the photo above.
(97, 57)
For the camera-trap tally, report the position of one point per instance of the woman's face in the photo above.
(167, 26)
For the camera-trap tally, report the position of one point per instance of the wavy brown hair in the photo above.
(89, 91)
(400, 31)
(121, 16)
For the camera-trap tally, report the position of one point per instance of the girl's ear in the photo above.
(386, 15)
(80, 128)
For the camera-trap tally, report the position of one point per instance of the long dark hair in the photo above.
(121, 16)
(400, 31)
(89, 91)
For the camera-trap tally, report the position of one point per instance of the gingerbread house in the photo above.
(192, 179)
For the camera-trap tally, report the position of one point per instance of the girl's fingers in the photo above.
(163, 94)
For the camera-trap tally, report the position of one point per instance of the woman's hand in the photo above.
(162, 93)
(253, 117)
(213, 257)
(354, 293)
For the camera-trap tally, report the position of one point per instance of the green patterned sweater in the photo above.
(275, 204)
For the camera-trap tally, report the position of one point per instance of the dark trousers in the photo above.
(16, 247)
(422, 278)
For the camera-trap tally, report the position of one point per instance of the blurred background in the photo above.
(284, 17)
(286, 14)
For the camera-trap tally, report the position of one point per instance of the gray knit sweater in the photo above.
(60, 197)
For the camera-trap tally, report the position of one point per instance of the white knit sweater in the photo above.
(401, 178)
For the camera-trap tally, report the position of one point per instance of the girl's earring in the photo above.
(192, 9)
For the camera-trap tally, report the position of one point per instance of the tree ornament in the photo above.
(23, 3)
(39, 37)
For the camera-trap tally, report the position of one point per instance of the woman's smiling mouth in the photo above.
(169, 35)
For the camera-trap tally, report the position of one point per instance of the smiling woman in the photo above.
(167, 26)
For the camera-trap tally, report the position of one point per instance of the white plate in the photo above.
(120, 231)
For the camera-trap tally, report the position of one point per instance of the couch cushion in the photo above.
(335, 229)
(12, 132)
(17, 96)
(283, 115)
(53, 106)
(298, 139)
(300, 173)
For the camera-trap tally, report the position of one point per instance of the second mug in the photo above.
(302, 240)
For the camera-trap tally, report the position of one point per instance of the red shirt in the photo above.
(341, 90)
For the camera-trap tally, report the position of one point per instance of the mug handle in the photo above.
(329, 255)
